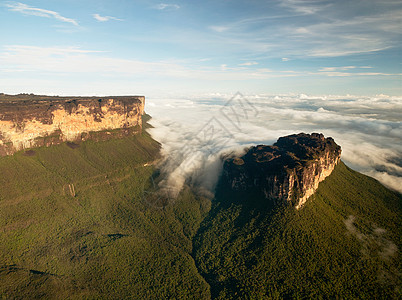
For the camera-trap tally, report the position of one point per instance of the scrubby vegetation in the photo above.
(74, 223)
(82, 221)
(342, 244)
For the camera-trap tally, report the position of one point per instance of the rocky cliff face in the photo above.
(27, 122)
(289, 171)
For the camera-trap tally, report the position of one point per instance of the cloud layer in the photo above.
(196, 132)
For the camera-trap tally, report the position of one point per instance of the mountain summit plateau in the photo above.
(35, 121)
(289, 171)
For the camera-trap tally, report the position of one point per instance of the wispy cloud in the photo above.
(71, 60)
(249, 63)
(353, 48)
(342, 35)
(45, 51)
(105, 18)
(385, 248)
(39, 12)
(166, 6)
(219, 28)
(331, 29)
(332, 69)
(347, 71)
(74, 60)
(304, 7)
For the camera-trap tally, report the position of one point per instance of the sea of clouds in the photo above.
(196, 131)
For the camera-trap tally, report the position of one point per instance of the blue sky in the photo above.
(187, 47)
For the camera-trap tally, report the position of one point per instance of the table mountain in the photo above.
(34, 121)
(289, 171)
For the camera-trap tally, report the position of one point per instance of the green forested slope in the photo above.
(74, 224)
(342, 244)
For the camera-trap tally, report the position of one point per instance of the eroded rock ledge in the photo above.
(289, 171)
(28, 121)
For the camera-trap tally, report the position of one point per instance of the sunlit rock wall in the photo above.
(44, 122)
(287, 172)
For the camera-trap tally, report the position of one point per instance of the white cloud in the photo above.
(66, 60)
(332, 69)
(69, 62)
(249, 63)
(347, 49)
(384, 248)
(285, 59)
(303, 6)
(165, 6)
(333, 72)
(29, 10)
(302, 30)
(343, 72)
(219, 28)
(105, 18)
(73, 60)
(194, 132)
(327, 31)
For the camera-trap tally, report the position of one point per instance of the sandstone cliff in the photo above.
(289, 171)
(28, 121)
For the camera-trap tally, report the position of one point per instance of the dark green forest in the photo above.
(74, 224)
(84, 221)
(342, 244)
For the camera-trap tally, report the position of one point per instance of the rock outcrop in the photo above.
(28, 121)
(287, 172)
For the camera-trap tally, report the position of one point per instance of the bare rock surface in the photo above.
(289, 171)
(29, 121)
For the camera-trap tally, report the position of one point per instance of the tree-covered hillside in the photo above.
(74, 224)
(343, 243)
(83, 221)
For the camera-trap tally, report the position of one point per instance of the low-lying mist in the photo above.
(196, 131)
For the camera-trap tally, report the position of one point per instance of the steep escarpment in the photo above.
(344, 244)
(287, 172)
(27, 122)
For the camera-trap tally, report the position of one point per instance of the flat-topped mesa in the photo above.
(34, 121)
(287, 172)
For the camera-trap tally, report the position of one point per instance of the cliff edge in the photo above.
(287, 172)
(28, 121)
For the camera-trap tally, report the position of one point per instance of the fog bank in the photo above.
(195, 131)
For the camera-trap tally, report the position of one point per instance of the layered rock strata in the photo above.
(287, 172)
(43, 121)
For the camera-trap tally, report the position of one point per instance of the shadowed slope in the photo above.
(344, 243)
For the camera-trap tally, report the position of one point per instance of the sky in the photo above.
(289, 66)
(154, 48)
